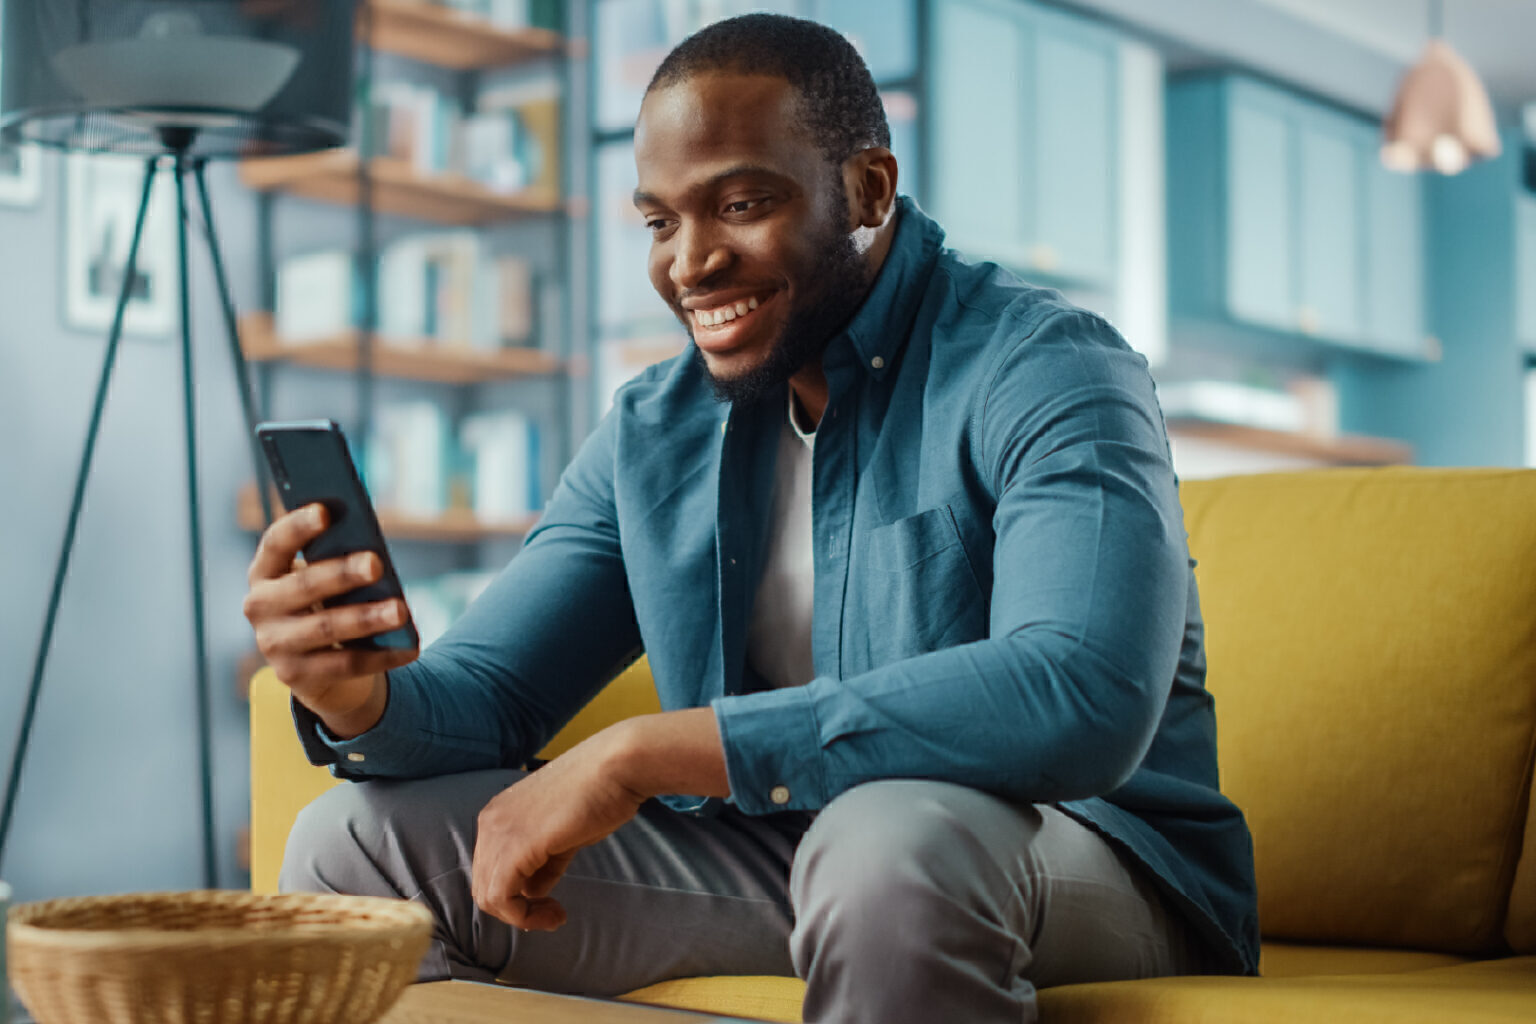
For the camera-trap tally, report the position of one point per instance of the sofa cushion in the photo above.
(1293, 960)
(1371, 637)
(1520, 928)
(1490, 992)
(778, 999)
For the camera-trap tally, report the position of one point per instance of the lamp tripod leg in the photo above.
(195, 533)
(232, 329)
(45, 642)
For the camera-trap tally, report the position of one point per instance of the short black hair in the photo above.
(840, 105)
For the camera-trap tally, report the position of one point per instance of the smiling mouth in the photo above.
(720, 316)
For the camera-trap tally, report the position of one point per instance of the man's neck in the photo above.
(809, 391)
(809, 386)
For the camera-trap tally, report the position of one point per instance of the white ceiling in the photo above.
(1497, 37)
(1353, 51)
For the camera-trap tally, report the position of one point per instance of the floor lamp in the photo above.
(179, 84)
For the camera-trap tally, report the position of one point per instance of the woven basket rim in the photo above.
(409, 918)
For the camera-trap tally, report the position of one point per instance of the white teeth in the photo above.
(725, 314)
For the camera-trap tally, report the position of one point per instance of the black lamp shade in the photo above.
(214, 78)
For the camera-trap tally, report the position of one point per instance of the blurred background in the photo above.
(1206, 173)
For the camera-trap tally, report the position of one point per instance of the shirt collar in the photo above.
(880, 327)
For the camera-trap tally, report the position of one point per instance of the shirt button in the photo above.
(355, 756)
(779, 795)
(877, 362)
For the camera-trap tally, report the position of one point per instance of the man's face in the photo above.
(751, 246)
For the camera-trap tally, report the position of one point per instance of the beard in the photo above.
(837, 281)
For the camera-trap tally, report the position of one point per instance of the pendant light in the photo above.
(1441, 119)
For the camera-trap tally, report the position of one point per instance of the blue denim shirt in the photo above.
(1003, 595)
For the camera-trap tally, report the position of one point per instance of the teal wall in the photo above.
(1467, 408)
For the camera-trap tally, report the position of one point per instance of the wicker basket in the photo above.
(215, 958)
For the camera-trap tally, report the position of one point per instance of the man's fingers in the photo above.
(543, 915)
(281, 541)
(307, 585)
(300, 634)
(542, 882)
(311, 670)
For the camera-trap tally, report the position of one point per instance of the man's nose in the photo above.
(699, 255)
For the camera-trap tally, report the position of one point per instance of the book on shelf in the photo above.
(501, 456)
(317, 295)
(523, 121)
(509, 142)
(443, 287)
(408, 458)
(418, 465)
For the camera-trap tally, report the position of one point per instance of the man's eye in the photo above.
(742, 205)
(656, 224)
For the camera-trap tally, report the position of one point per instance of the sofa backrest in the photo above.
(1371, 639)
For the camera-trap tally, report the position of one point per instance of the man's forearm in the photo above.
(673, 752)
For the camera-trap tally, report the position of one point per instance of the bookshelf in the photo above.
(453, 39)
(456, 526)
(331, 176)
(404, 359)
(1348, 450)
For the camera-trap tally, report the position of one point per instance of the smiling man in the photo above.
(901, 539)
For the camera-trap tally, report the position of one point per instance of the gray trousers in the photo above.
(901, 901)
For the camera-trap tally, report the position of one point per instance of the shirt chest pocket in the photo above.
(921, 593)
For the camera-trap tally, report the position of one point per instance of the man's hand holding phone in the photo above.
(302, 640)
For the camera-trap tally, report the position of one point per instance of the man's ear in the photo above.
(869, 177)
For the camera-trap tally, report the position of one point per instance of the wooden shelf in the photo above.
(330, 176)
(453, 39)
(405, 359)
(1344, 451)
(456, 526)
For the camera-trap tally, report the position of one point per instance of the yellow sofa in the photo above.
(1372, 647)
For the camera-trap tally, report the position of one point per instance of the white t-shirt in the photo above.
(779, 636)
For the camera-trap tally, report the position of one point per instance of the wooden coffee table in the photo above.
(467, 1002)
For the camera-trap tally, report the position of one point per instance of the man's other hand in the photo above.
(529, 832)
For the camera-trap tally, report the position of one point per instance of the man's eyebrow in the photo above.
(712, 181)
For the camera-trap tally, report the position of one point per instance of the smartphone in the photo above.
(311, 463)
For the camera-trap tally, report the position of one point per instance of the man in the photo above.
(902, 542)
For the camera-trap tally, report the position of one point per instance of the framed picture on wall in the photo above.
(21, 175)
(101, 200)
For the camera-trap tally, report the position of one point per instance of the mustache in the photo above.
(715, 287)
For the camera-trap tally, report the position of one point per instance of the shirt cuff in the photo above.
(386, 749)
(772, 750)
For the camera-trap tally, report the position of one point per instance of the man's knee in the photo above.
(333, 833)
(893, 858)
(388, 836)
